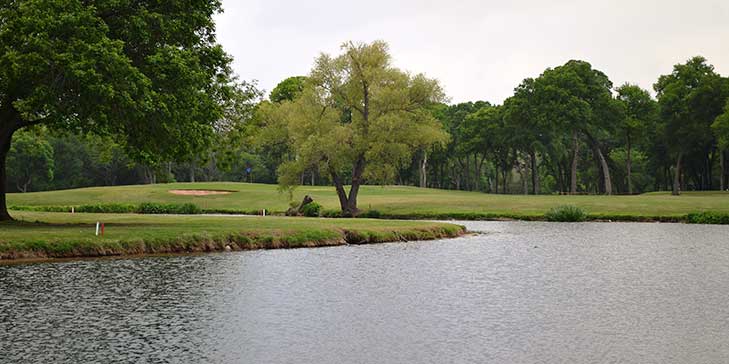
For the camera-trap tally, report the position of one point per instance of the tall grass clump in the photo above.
(566, 213)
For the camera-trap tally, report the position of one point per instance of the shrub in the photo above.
(113, 208)
(565, 213)
(160, 208)
(708, 218)
(41, 208)
(311, 209)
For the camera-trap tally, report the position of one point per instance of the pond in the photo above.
(516, 293)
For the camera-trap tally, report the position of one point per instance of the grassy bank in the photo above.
(62, 235)
(393, 201)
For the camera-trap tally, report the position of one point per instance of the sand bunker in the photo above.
(200, 192)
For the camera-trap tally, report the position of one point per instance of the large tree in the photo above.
(576, 98)
(531, 129)
(641, 111)
(690, 99)
(148, 72)
(358, 118)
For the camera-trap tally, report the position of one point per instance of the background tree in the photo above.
(531, 131)
(454, 160)
(149, 72)
(358, 119)
(641, 112)
(288, 89)
(690, 99)
(578, 98)
(30, 160)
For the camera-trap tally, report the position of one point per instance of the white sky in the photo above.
(479, 50)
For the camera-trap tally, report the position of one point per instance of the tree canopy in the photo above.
(148, 72)
(288, 89)
(690, 99)
(358, 119)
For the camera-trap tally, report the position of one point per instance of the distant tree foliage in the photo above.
(30, 161)
(147, 97)
(288, 89)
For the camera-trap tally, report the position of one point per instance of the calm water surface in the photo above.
(519, 293)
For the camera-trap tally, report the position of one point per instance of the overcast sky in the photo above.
(479, 50)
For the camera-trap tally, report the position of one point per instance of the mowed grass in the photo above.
(40, 234)
(394, 201)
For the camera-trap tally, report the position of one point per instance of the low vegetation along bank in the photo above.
(389, 202)
(37, 235)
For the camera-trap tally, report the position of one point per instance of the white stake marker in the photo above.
(97, 228)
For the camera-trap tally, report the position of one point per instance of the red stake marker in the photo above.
(102, 229)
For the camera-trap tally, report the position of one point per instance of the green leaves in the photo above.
(721, 128)
(147, 72)
(30, 160)
(690, 99)
(355, 110)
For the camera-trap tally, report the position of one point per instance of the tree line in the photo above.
(105, 92)
(569, 130)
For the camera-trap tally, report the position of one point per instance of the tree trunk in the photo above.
(524, 174)
(467, 171)
(722, 169)
(496, 180)
(629, 166)
(535, 173)
(192, 171)
(677, 176)
(6, 137)
(505, 187)
(424, 170)
(356, 182)
(476, 173)
(605, 171)
(479, 171)
(709, 172)
(341, 193)
(573, 171)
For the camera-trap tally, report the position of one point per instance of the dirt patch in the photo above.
(200, 192)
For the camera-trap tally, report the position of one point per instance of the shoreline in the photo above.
(244, 236)
(414, 216)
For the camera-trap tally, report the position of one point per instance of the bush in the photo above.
(565, 213)
(716, 218)
(160, 208)
(41, 208)
(311, 209)
(107, 208)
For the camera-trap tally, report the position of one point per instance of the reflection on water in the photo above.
(519, 293)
